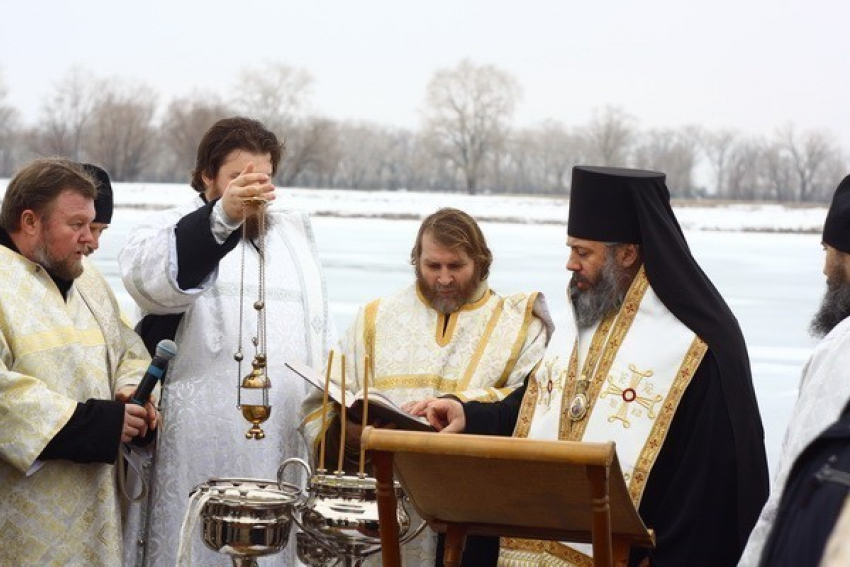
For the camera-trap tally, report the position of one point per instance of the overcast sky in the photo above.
(753, 65)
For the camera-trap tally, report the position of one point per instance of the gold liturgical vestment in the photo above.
(55, 353)
(481, 352)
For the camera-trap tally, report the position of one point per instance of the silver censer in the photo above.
(339, 518)
(245, 518)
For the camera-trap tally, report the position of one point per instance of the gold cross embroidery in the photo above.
(554, 385)
(629, 394)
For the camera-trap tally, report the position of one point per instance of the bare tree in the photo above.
(185, 122)
(65, 115)
(538, 160)
(276, 94)
(122, 136)
(467, 114)
(809, 154)
(8, 131)
(674, 153)
(717, 146)
(609, 137)
(745, 176)
(402, 162)
(779, 173)
(310, 147)
(363, 150)
(560, 149)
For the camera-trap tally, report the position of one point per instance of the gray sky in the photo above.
(753, 65)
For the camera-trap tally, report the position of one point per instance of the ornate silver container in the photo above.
(340, 516)
(246, 518)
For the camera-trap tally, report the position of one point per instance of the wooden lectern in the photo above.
(504, 486)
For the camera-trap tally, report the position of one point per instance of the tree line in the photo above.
(467, 140)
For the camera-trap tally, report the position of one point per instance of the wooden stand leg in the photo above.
(387, 506)
(602, 553)
(621, 552)
(455, 542)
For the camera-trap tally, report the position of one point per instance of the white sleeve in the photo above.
(148, 264)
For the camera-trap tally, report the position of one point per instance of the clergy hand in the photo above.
(446, 415)
(152, 417)
(416, 408)
(134, 423)
(247, 186)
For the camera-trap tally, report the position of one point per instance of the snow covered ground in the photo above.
(520, 209)
(765, 259)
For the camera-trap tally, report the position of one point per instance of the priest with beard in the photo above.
(187, 269)
(659, 366)
(447, 333)
(815, 453)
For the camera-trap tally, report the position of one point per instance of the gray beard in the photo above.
(67, 271)
(604, 297)
(834, 308)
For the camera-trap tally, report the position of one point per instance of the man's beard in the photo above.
(602, 298)
(834, 307)
(63, 268)
(450, 298)
(251, 226)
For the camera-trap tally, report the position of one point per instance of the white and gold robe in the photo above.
(482, 352)
(55, 354)
(633, 388)
(203, 432)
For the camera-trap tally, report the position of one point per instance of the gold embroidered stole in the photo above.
(624, 389)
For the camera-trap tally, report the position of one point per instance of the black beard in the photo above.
(606, 296)
(251, 226)
(834, 308)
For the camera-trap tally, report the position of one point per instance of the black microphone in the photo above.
(165, 351)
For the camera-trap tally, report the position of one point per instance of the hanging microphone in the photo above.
(165, 351)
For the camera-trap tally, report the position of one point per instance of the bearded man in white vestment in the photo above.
(184, 268)
(825, 384)
(67, 366)
(659, 366)
(447, 333)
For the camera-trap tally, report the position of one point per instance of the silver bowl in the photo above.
(246, 518)
(340, 514)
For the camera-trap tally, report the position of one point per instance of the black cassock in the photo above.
(691, 498)
(814, 496)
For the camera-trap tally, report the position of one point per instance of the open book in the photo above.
(380, 406)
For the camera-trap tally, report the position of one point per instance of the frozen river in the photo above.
(773, 283)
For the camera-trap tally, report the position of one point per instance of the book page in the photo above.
(380, 406)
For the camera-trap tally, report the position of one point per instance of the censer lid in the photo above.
(248, 491)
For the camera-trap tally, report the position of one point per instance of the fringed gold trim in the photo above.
(516, 552)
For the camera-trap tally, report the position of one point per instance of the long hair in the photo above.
(455, 230)
(228, 134)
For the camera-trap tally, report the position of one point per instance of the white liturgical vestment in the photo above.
(824, 391)
(203, 432)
